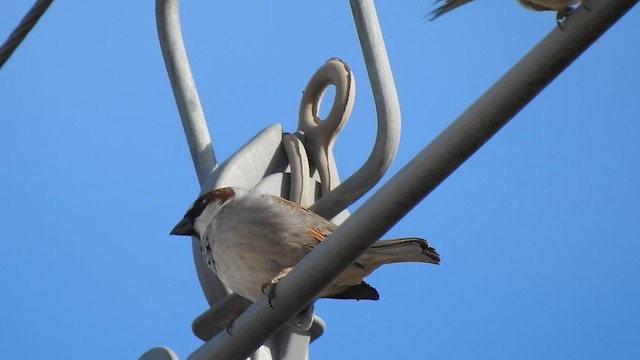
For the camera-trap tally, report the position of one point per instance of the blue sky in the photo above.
(538, 231)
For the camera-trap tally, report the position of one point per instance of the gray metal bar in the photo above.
(184, 88)
(417, 179)
(387, 109)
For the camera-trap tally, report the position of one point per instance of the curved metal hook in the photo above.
(387, 109)
(299, 190)
(184, 88)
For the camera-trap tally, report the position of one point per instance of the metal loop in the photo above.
(321, 133)
(334, 72)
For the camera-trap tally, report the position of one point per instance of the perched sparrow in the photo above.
(252, 240)
(563, 7)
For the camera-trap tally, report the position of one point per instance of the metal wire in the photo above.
(21, 31)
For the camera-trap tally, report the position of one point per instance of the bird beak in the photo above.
(184, 227)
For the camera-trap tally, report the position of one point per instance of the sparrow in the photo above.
(252, 240)
(563, 7)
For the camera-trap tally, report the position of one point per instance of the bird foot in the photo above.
(269, 288)
(234, 316)
(564, 13)
(561, 16)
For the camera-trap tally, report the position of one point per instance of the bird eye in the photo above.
(198, 207)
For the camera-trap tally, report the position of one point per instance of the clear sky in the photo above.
(539, 231)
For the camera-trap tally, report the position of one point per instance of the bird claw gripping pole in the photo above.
(298, 166)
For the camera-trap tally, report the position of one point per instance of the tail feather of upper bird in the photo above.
(447, 6)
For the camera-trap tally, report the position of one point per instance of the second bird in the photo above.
(563, 7)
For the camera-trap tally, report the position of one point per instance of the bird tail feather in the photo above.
(401, 250)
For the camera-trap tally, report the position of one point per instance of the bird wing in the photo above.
(312, 228)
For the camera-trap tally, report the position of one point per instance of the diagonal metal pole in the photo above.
(417, 179)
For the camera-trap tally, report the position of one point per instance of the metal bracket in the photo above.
(299, 166)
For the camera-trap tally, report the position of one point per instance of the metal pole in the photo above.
(387, 110)
(184, 88)
(417, 179)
